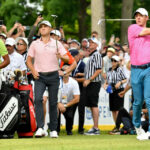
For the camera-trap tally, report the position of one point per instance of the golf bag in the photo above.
(9, 111)
(27, 125)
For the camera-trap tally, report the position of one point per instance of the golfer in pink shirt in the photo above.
(46, 52)
(139, 43)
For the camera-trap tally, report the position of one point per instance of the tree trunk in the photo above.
(127, 8)
(82, 19)
(98, 12)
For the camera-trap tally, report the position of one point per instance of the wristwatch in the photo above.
(91, 80)
(65, 105)
(64, 72)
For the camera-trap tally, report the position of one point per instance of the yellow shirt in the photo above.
(3, 50)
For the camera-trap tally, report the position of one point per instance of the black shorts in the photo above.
(92, 94)
(115, 101)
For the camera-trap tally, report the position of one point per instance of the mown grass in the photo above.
(77, 142)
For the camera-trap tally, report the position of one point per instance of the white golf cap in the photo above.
(95, 40)
(56, 32)
(142, 11)
(115, 57)
(22, 38)
(111, 49)
(10, 41)
(46, 23)
(4, 35)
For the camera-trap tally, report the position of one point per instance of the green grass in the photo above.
(77, 142)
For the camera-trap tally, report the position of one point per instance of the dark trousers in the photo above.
(81, 109)
(69, 116)
(125, 118)
(52, 82)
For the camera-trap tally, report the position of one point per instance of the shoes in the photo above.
(39, 133)
(141, 135)
(93, 131)
(46, 133)
(115, 131)
(69, 132)
(81, 132)
(53, 134)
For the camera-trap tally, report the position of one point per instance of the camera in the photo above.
(1, 23)
(26, 27)
(39, 14)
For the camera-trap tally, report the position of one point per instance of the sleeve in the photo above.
(61, 49)
(23, 66)
(3, 50)
(122, 74)
(76, 90)
(71, 58)
(98, 61)
(134, 31)
(31, 50)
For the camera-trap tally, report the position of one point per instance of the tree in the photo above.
(127, 9)
(98, 12)
(72, 15)
(12, 11)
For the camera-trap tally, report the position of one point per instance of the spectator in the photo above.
(115, 79)
(45, 71)
(84, 44)
(92, 83)
(3, 37)
(107, 64)
(22, 46)
(74, 44)
(55, 34)
(94, 34)
(70, 97)
(16, 60)
(78, 75)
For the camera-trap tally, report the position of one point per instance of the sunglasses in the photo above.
(112, 60)
(20, 44)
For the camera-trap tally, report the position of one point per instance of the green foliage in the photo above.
(68, 12)
(12, 11)
(112, 11)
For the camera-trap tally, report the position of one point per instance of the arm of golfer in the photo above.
(31, 67)
(144, 32)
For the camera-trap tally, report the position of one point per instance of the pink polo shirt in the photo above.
(139, 45)
(45, 59)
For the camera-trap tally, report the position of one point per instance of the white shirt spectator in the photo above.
(70, 89)
(16, 62)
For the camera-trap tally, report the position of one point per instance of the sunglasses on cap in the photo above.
(113, 60)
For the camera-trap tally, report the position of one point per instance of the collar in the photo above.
(114, 69)
(24, 52)
(93, 52)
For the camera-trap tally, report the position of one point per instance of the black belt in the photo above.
(47, 73)
(141, 66)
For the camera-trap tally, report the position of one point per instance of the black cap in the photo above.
(74, 52)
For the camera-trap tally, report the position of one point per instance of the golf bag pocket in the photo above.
(9, 115)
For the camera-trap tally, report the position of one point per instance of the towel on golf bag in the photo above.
(27, 125)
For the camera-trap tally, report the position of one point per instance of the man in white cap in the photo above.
(139, 43)
(92, 83)
(16, 60)
(55, 34)
(46, 53)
